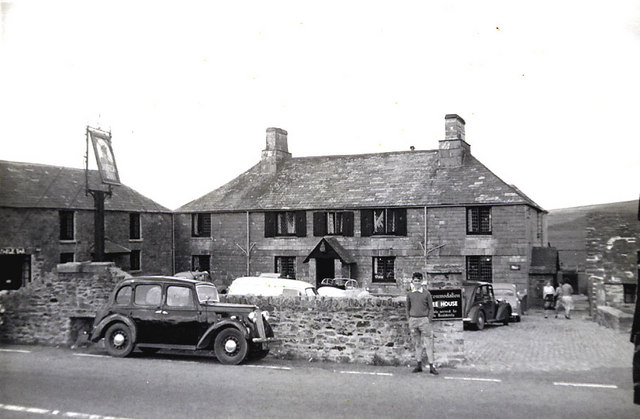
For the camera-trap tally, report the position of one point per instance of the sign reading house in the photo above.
(447, 304)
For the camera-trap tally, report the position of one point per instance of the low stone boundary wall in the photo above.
(54, 310)
(613, 318)
(369, 330)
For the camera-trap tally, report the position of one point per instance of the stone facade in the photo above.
(513, 236)
(37, 233)
(56, 309)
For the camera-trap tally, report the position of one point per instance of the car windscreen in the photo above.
(207, 293)
(498, 291)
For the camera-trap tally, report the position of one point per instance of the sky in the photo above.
(549, 90)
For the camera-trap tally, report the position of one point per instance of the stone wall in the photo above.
(53, 310)
(371, 331)
(612, 246)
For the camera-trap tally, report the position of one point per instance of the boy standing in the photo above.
(420, 314)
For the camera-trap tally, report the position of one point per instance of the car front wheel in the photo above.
(480, 321)
(257, 354)
(119, 340)
(230, 347)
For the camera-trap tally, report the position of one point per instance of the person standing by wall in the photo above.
(548, 296)
(420, 315)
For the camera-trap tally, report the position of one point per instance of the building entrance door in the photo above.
(14, 269)
(325, 268)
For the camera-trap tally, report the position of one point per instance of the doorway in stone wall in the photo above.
(325, 268)
(15, 271)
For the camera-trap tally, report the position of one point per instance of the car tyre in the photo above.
(119, 340)
(505, 322)
(480, 320)
(230, 347)
(258, 354)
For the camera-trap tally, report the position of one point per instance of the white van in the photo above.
(268, 285)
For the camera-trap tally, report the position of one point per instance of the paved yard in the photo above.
(539, 344)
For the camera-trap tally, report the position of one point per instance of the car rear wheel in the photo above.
(507, 318)
(480, 321)
(230, 347)
(119, 340)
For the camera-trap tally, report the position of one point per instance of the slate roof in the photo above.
(30, 185)
(394, 179)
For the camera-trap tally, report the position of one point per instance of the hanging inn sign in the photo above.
(103, 151)
(104, 156)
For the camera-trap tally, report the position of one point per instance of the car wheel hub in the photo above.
(119, 339)
(230, 346)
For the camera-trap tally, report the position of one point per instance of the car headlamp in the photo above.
(266, 315)
(252, 316)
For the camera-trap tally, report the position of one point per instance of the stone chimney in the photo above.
(277, 151)
(453, 148)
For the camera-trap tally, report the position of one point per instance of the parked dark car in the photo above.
(480, 306)
(153, 313)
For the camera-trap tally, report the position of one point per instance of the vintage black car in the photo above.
(153, 313)
(480, 306)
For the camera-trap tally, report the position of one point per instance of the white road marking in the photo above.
(15, 408)
(92, 355)
(268, 367)
(365, 373)
(21, 351)
(585, 385)
(491, 380)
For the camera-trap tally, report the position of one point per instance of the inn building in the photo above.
(376, 218)
(47, 218)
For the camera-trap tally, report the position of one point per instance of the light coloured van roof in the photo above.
(266, 285)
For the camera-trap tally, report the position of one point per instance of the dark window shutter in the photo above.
(347, 228)
(401, 214)
(269, 224)
(366, 222)
(319, 224)
(301, 223)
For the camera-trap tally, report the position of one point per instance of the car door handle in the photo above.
(162, 312)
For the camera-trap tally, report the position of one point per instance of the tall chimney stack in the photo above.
(276, 152)
(453, 148)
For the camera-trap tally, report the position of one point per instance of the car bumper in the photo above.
(266, 342)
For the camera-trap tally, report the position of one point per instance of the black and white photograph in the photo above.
(338, 209)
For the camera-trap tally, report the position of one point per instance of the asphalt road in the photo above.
(43, 382)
